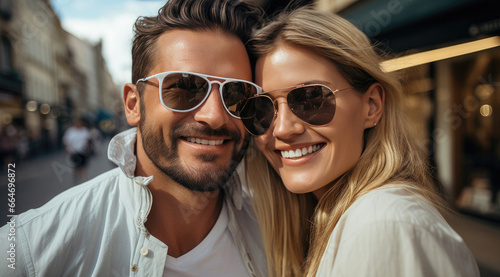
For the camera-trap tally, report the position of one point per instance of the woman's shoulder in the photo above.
(394, 231)
(393, 205)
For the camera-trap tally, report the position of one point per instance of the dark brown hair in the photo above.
(235, 17)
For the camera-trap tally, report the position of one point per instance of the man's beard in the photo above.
(166, 157)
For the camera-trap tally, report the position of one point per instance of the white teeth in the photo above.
(205, 141)
(288, 154)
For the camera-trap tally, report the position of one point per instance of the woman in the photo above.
(352, 195)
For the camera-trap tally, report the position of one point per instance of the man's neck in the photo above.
(179, 217)
(182, 218)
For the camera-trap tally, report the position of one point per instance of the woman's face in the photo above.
(338, 144)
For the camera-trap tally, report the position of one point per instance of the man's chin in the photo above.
(205, 164)
(211, 173)
(204, 176)
(203, 181)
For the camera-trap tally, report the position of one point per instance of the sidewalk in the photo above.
(40, 179)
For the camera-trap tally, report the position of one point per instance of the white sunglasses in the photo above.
(182, 91)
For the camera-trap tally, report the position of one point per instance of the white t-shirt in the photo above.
(392, 232)
(76, 139)
(217, 255)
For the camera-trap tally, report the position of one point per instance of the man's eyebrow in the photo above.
(152, 83)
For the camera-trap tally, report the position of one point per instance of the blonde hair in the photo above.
(390, 155)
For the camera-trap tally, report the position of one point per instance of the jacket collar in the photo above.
(121, 151)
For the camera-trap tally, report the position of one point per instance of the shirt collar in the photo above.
(121, 151)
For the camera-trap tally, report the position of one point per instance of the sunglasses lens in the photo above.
(257, 115)
(312, 104)
(235, 94)
(183, 91)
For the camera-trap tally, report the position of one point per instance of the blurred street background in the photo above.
(62, 60)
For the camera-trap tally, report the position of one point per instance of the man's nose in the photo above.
(212, 111)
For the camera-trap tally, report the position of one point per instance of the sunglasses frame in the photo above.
(161, 76)
(290, 89)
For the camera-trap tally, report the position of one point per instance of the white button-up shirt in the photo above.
(97, 228)
(392, 232)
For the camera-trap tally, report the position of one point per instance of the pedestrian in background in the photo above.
(77, 141)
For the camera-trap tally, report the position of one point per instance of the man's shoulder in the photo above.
(87, 198)
(90, 218)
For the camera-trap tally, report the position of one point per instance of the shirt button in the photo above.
(133, 268)
(144, 251)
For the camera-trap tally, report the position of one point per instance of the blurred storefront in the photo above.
(449, 56)
(45, 81)
(11, 87)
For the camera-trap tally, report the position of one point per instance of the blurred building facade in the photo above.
(48, 77)
(448, 52)
(38, 45)
(11, 85)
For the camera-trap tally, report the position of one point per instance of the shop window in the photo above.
(477, 82)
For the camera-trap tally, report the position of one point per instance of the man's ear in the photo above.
(375, 97)
(131, 101)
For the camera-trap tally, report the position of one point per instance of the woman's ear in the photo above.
(375, 97)
(131, 101)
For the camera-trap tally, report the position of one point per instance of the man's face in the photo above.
(187, 146)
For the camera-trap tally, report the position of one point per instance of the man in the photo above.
(174, 206)
(76, 142)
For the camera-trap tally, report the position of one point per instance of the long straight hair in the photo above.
(296, 228)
